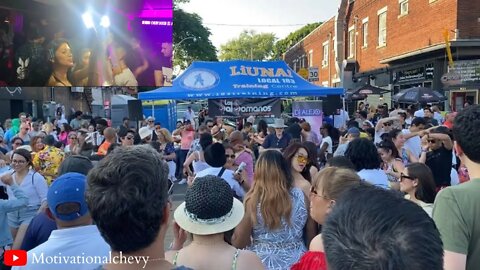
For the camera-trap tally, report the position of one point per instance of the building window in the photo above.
(403, 7)
(382, 27)
(365, 34)
(310, 58)
(351, 43)
(325, 55)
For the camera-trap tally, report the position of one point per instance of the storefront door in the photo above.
(459, 98)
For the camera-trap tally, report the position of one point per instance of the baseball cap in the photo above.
(68, 188)
(353, 131)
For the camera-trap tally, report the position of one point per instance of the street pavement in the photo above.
(177, 197)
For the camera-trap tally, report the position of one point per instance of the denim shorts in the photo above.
(22, 216)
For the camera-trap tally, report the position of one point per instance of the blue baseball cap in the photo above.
(68, 188)
(353, 131)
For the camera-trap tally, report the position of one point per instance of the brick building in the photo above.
(397, 44)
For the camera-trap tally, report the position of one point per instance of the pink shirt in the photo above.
(187, 139)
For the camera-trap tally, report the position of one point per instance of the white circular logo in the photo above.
(200, 79)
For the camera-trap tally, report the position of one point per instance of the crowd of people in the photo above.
(385, 192)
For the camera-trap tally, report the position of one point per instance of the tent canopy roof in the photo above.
(238, 79)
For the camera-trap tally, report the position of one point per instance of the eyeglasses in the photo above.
(73, 138)
(230, 156)
(15, 161)
(302, 159)
(432, 141)
(315, 193)
(210, 126)
(387, 124)
(402, 176)
(150, 121)
(129, 138)
(17, 143)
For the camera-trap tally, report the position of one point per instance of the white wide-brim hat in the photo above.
(145, 132)
(193, 225)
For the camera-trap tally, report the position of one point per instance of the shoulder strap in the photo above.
(175, 258)
(33, 174)
(220, 173)
(235, 259)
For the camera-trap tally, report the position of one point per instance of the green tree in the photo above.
(249, 46)
(293, 38)
(191, 40)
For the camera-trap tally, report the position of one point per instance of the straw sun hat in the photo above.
(209, 207)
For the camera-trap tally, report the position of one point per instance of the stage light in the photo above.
(105, 21)
(88, 20)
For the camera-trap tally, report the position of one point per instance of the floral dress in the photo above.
(47, 162)
(281, 248)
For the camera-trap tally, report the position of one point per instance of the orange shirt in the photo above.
(102, 149)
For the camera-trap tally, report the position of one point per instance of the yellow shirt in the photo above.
(47, 162)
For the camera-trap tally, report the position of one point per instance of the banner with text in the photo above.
(312, 112)
(244, 107)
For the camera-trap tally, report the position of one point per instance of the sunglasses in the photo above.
(73, 138)
(302, 159)
(230, 156)
(432, 141)
(129, 137)
(150, 121)
(17, 143)
(402, 176)
(210, 126)
(386, 124)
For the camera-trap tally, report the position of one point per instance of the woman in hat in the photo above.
(275, 214)
(327, 187)
(209, 211)
(34, 186)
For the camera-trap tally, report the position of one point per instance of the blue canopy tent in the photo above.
(239, 79)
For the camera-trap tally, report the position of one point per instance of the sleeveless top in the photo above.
(199, 165)
(234, 262)
(281, 248)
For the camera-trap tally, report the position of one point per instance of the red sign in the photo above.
(15, 257)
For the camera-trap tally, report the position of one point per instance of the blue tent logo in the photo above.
(200, 79)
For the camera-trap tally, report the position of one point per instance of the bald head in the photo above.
(236, 137)
(109, 134)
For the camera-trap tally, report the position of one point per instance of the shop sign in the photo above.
(466, 72)
(415, 74)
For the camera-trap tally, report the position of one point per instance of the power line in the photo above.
(256, 25)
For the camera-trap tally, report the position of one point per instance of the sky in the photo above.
(259, 12)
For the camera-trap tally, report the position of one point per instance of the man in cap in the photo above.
(75, 237)
(41, 226)
(351, 135)
(151, 123)
(278, 140)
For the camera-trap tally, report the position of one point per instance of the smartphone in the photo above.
(241, 167)
(170, 187)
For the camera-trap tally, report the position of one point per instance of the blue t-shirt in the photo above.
(272, 141)
(38, 231)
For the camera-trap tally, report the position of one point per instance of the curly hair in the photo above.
(466, 128)
(363, 154)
